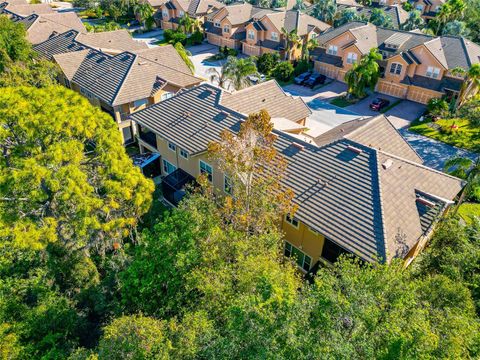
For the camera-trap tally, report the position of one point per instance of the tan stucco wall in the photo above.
(311, 243)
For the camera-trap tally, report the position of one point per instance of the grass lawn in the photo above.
(384, 110)
(340, 102)
(468, 210)
(466, 136)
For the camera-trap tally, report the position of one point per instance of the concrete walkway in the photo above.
(150, 37)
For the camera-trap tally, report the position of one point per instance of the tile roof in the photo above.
(269, 96)
(360, 197)
(29, 9)
(294, 19)
(111, 40)
(70, 62)
(449, 50)
(200, 7)
(240, 13)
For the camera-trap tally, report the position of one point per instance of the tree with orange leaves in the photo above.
(254, 173)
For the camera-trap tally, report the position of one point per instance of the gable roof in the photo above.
(41, 27)
(353, 194)
(240, 13)
(70, 62)
(200, 7)
(451, 51)
(295, 20)
(269, 96)
(29, 9)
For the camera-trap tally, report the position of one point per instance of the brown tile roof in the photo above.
(366, 37)
(269, 96)
(201, 7)
(240, 13)
(166, 56)
(25, 10)
(43, 26)
(70, 62)
(118, 40)
(294, 19)
(376, 132)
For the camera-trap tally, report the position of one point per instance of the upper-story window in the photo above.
(226, 29)
(419, 7)
(207, 170)
(396, 69)
(433, 72)
(437, 8)
(141, 102)
(351, 58)
(184, 153)
(383, 2)
(181, 13)
(303, 260)
(172, 146)
(332, 50)
(166, 95)
(165, 13)
(274, 36)
(292, 221)
(251, 34)
(227, 185)
(217, 24)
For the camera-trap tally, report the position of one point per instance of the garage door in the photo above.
(214, 39)
(420, 96)
(250, 50)
(391, 89)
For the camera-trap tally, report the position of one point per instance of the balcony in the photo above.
(148, 137)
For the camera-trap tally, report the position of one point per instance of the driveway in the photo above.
(326, 92)
(200, 53)
(150, 37)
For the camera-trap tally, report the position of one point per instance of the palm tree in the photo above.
(307, 46)
(414, 21)
(443, 16)
(185, 55)
(234, 72)
(292, 42)
(325, 10)
(470, 85)
(364, 74)
(186, 22)
(144, 11)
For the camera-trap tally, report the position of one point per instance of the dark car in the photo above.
(300, 79)
(378, 104)
(314, 80)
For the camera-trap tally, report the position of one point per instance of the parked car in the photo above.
(378, 104)
(300, 79)
(256, 79)
(314, 80)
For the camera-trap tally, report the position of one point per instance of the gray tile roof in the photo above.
(344, 189)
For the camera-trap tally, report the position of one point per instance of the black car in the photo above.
(314, 80)
(300, 79)
(378, 104)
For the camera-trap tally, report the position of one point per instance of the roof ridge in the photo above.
(129, 70)
(163, 65)
(382, 213)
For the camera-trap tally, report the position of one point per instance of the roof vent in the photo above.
(142, 63)
(426, 202)
(387, 164)
(354, 149)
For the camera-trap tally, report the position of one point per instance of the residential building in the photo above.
(172, 11)
(415, 66)
(360, 188)
(428, 8)
(120, 82)
(256, 31)
(265, 34)
(18, 8)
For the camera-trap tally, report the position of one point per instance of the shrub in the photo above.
(302, 66)
(196, 38)
(267, 62)
(407, 6)
(471, 111)
(172, 36)
(438, 107)
(283, 71)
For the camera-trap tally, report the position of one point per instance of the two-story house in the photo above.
(20, 8)
(119, 82)
(226, 26)
(428, 8)
(172, 11)
(415, 66)
(264, 34)
(360, 188)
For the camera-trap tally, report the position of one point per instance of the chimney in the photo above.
(387, 164)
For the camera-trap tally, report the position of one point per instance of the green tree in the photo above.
(414, 21)
(283, 71)
(185, 55)
(14, 46)
(325, 10)
(363, 74)
(378, 17)
(292, 42)
(307, 46)
(469, 86)
(65, 175)
(235, 72)
(145, 12)
(267, 62)
(456, 28)
(347, 15)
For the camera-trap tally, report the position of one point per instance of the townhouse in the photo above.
(256, 31)
(20, 8)
(415, 66)
(119, 81)
(360, 187)
(428, 8)
(170, 12)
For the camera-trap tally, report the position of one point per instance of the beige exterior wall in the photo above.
(392, 88)
(426, 59)
(328, 70)
(341, 41)
(394, 77)
(304, 239)
(222, 41)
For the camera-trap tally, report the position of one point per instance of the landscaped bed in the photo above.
(456, 132)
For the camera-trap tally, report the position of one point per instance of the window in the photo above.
(227, 185)
(206, 170)
(127, 134)
(332, 50)
(433, 72)
(141, 102)
(332, 251)
(172, 146)
(217, 24)
(274, 36)
(303, 261)
(184, 154)
(67, 83)
(226, 29)
(165, 13)
(437, 8)
(291, 221)
(419, 7)
(383, 2)
(181, 13)
(166, 95)
(351, 58)
(396, 68)
(251, 34)
(168, 168)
